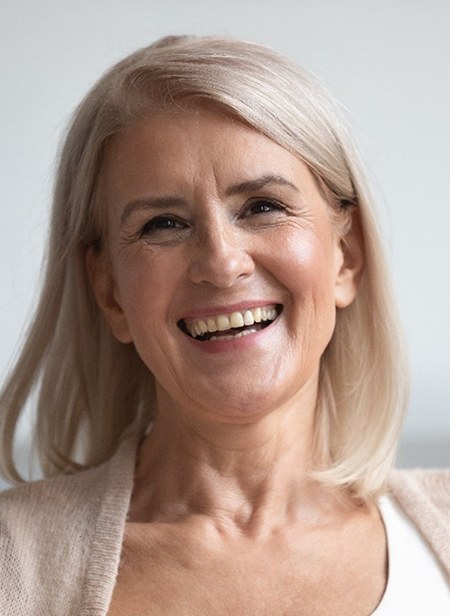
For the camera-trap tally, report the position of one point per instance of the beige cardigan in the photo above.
(60, 539)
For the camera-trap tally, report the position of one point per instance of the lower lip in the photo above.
(237, 344)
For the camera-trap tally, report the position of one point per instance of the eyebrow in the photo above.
(237, 189)
(258, 183)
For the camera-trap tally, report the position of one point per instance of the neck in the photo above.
(243, 477)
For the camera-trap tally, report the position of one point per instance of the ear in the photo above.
(104, 289)
(351, 247)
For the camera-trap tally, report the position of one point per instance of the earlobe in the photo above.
(351, 248)
(103, 287)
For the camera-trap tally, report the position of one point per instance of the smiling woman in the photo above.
(202, 252)
(218, 362)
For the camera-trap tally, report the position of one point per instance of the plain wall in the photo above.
(387, 61)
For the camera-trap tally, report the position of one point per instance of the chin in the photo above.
(241, 407)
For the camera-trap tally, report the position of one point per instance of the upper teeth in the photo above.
(222, 322)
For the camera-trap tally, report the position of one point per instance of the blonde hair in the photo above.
(90, 388)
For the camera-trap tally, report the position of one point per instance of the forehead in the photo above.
(193, 146)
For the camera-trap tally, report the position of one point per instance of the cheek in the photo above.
(144, 289)
(307, 271)
(306, 266)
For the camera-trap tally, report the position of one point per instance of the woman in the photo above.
(217, 355)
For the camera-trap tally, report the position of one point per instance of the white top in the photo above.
(417, 585)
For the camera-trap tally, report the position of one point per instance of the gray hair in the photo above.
(92, 389)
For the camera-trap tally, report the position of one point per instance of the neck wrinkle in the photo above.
(245, 479)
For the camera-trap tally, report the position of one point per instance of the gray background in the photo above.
(388, 61)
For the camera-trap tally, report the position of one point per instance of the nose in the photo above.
(221, 257)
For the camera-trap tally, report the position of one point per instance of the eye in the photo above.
(164, 230)
(162, 224)
(263, 206)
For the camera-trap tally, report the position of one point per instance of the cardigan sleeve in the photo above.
(61, 538)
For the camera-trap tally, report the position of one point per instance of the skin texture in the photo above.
(206, 215)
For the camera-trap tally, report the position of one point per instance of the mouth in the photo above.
(231, 326)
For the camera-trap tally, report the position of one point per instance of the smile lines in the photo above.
(258, 317)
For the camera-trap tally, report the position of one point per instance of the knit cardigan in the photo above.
(61, 539)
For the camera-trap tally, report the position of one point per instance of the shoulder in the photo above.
(424, 495)
(67, 497)
(40, 502)
(65, 506)
(422, 487)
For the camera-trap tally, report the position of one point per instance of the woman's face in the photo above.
(225, 269)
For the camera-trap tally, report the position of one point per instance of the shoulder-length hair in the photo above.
(92, 389)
